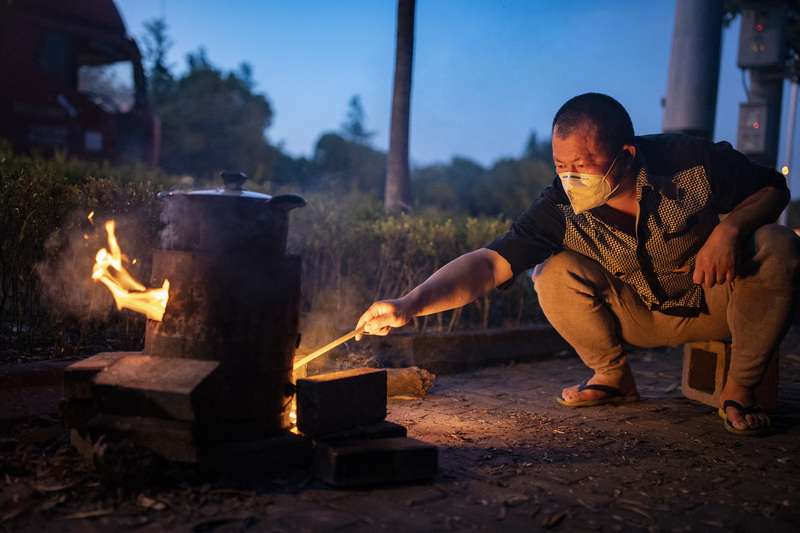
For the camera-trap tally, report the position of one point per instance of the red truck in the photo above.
(71, 78)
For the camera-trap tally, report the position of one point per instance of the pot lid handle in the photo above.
(234, 180)
(287, 201)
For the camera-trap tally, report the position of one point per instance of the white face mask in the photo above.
(587, 191)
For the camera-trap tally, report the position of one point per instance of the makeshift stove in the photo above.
(234, 299)
(214, 383)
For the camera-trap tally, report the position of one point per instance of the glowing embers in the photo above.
(128, 293)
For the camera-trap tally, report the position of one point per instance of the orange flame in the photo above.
(128, 293)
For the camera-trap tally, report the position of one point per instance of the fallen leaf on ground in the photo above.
(87, 514)
(553, 519)
(53, 487)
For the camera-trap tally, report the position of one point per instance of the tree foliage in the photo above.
(210, 120)
(354, 127)
(507, 188)
(214, 120)
(343, 165)
(157, 45)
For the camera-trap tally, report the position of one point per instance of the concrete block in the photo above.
(446, 353)
(77, 379)
(327, 403)
(379, 461)
(377, 430)
(159, 387)
(705, 370)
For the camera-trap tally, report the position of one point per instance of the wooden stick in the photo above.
(328, 347)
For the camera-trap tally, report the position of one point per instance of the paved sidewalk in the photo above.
(510, 459)
(664, 464)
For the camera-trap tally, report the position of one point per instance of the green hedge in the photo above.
(352, 254)
(48, 305)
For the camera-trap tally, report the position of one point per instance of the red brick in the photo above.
(175, 440)
(261, 456)
(77, 380)
(192, 441)
(333, 402)
(377, 430)
(377, 461)
(160, 387)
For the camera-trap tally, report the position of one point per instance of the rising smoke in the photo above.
(65, 273)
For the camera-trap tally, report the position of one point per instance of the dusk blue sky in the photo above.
(486, 72)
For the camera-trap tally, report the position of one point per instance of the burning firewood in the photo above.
(411, 381)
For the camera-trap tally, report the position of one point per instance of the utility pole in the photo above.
(397, 196)
(789, 144)
(691, 100)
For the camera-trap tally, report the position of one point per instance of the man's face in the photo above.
(582, 152)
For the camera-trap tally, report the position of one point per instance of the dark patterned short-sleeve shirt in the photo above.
(683, 185)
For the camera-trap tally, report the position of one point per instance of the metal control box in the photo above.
(762, 41)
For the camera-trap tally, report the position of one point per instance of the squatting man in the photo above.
(641, 240)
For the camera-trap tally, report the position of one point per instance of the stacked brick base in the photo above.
(168, 406)
(344, 412)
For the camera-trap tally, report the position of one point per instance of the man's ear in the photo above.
(631, 149)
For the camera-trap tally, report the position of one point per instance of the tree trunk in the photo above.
(397, 196)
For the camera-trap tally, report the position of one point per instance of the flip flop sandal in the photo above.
(742, 411)
(613, 396)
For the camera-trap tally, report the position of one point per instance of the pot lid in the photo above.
(232, 188)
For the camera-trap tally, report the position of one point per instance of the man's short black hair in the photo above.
(612, 121)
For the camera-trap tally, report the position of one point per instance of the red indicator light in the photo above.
(759, 27)
(755, 125)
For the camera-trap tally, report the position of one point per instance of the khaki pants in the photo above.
(596, 313)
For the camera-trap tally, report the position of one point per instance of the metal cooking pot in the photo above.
(229, 219)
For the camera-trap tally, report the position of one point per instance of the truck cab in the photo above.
(73, 81)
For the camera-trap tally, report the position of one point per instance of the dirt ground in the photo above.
(510, 459)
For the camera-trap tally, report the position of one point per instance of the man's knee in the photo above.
(777, 253)
(567, 269)
(778, 239)
(551, 271)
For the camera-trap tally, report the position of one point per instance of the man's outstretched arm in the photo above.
(456, 284)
